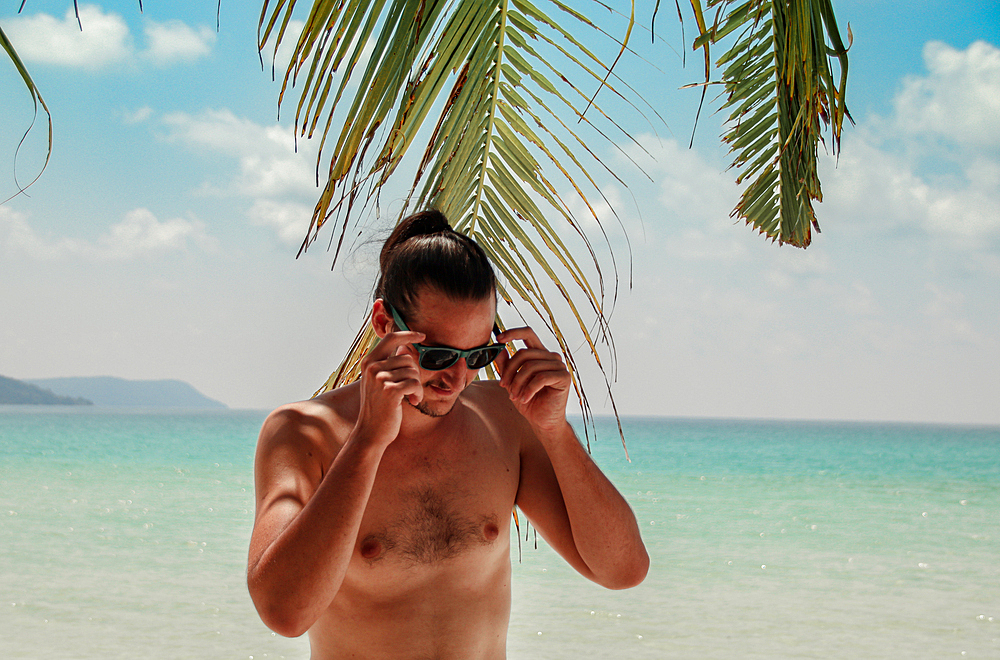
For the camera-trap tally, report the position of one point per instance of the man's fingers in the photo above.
(539, 381)
(525, 366)
(401, 374)
(500, 364)
(513, 366)
(395, 373)
(392, 341)
(399, 366)
(397, 377)
(408, 387)
(525, 334)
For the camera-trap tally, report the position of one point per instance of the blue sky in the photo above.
(161, 240)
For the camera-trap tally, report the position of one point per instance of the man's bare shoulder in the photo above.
(493, 405)
(321, 423)
(489, 393)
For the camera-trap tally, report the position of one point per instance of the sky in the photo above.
(161, 240)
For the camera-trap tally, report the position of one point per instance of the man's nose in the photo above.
(457, 372)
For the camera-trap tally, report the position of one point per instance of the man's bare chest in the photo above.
(431, 504)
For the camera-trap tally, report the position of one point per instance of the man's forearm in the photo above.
(603, 525)
(298, 575)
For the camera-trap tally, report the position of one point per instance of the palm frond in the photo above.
(37, 100)
(780, 87)
(499, 156)
(36, 97)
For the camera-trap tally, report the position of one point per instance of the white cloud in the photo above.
(16, 235)
(946, 311)
(219, 130)
(966, 213)
(269, 165)
(959, 98)
(273, 174)
(885, 191)
(789, 268)
(289, 219)
(279, 181)
(139, 234)
(104, 40)
(694, 198)
(174, 41)
(890, 174)
(603, 206)
(138, 116)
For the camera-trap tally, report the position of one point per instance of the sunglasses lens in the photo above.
(438, 358)
(483, 357)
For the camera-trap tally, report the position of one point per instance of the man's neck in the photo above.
(417, 425)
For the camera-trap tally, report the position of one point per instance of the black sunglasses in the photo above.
(436, 358)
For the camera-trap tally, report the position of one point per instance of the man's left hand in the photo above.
(537, 380)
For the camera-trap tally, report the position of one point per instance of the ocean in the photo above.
(123, 534)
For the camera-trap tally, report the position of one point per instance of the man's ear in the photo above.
(382, 322)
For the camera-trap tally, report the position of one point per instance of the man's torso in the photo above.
(430, 572)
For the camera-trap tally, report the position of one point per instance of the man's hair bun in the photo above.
(423, 250)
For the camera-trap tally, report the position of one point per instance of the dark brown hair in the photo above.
(423, 250)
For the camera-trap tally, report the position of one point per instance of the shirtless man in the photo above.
(383, 508)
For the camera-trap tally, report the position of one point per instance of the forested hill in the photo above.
(18, 392)
(119, 392)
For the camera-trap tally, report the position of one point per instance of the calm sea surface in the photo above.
(123, 534)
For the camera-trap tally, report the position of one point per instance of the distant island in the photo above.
(20, 393)
(112, 392)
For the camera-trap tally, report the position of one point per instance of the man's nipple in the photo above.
(370, 548)
(491, 532)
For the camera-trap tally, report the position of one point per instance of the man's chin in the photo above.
(436, 407)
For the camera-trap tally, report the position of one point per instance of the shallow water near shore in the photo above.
(123, 534)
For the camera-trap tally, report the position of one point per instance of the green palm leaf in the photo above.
(36, 98)
(780, 87)
(495, 88)
(498, 155)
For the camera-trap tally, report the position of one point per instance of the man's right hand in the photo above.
(388, 373)
(313, 485)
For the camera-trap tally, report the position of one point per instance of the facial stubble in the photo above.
(424, 406)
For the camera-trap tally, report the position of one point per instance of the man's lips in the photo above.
(440, 389)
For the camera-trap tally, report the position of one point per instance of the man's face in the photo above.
(453, 323)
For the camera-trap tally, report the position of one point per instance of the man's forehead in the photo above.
(432, 302)
(434, 311)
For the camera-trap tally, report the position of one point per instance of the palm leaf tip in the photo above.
(37, 100)
(781, 89)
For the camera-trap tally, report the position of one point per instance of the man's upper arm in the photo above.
(541, 500)
(288, 468)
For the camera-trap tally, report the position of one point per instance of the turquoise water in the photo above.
(124, 534)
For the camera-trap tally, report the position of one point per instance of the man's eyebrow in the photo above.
(489, 340)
